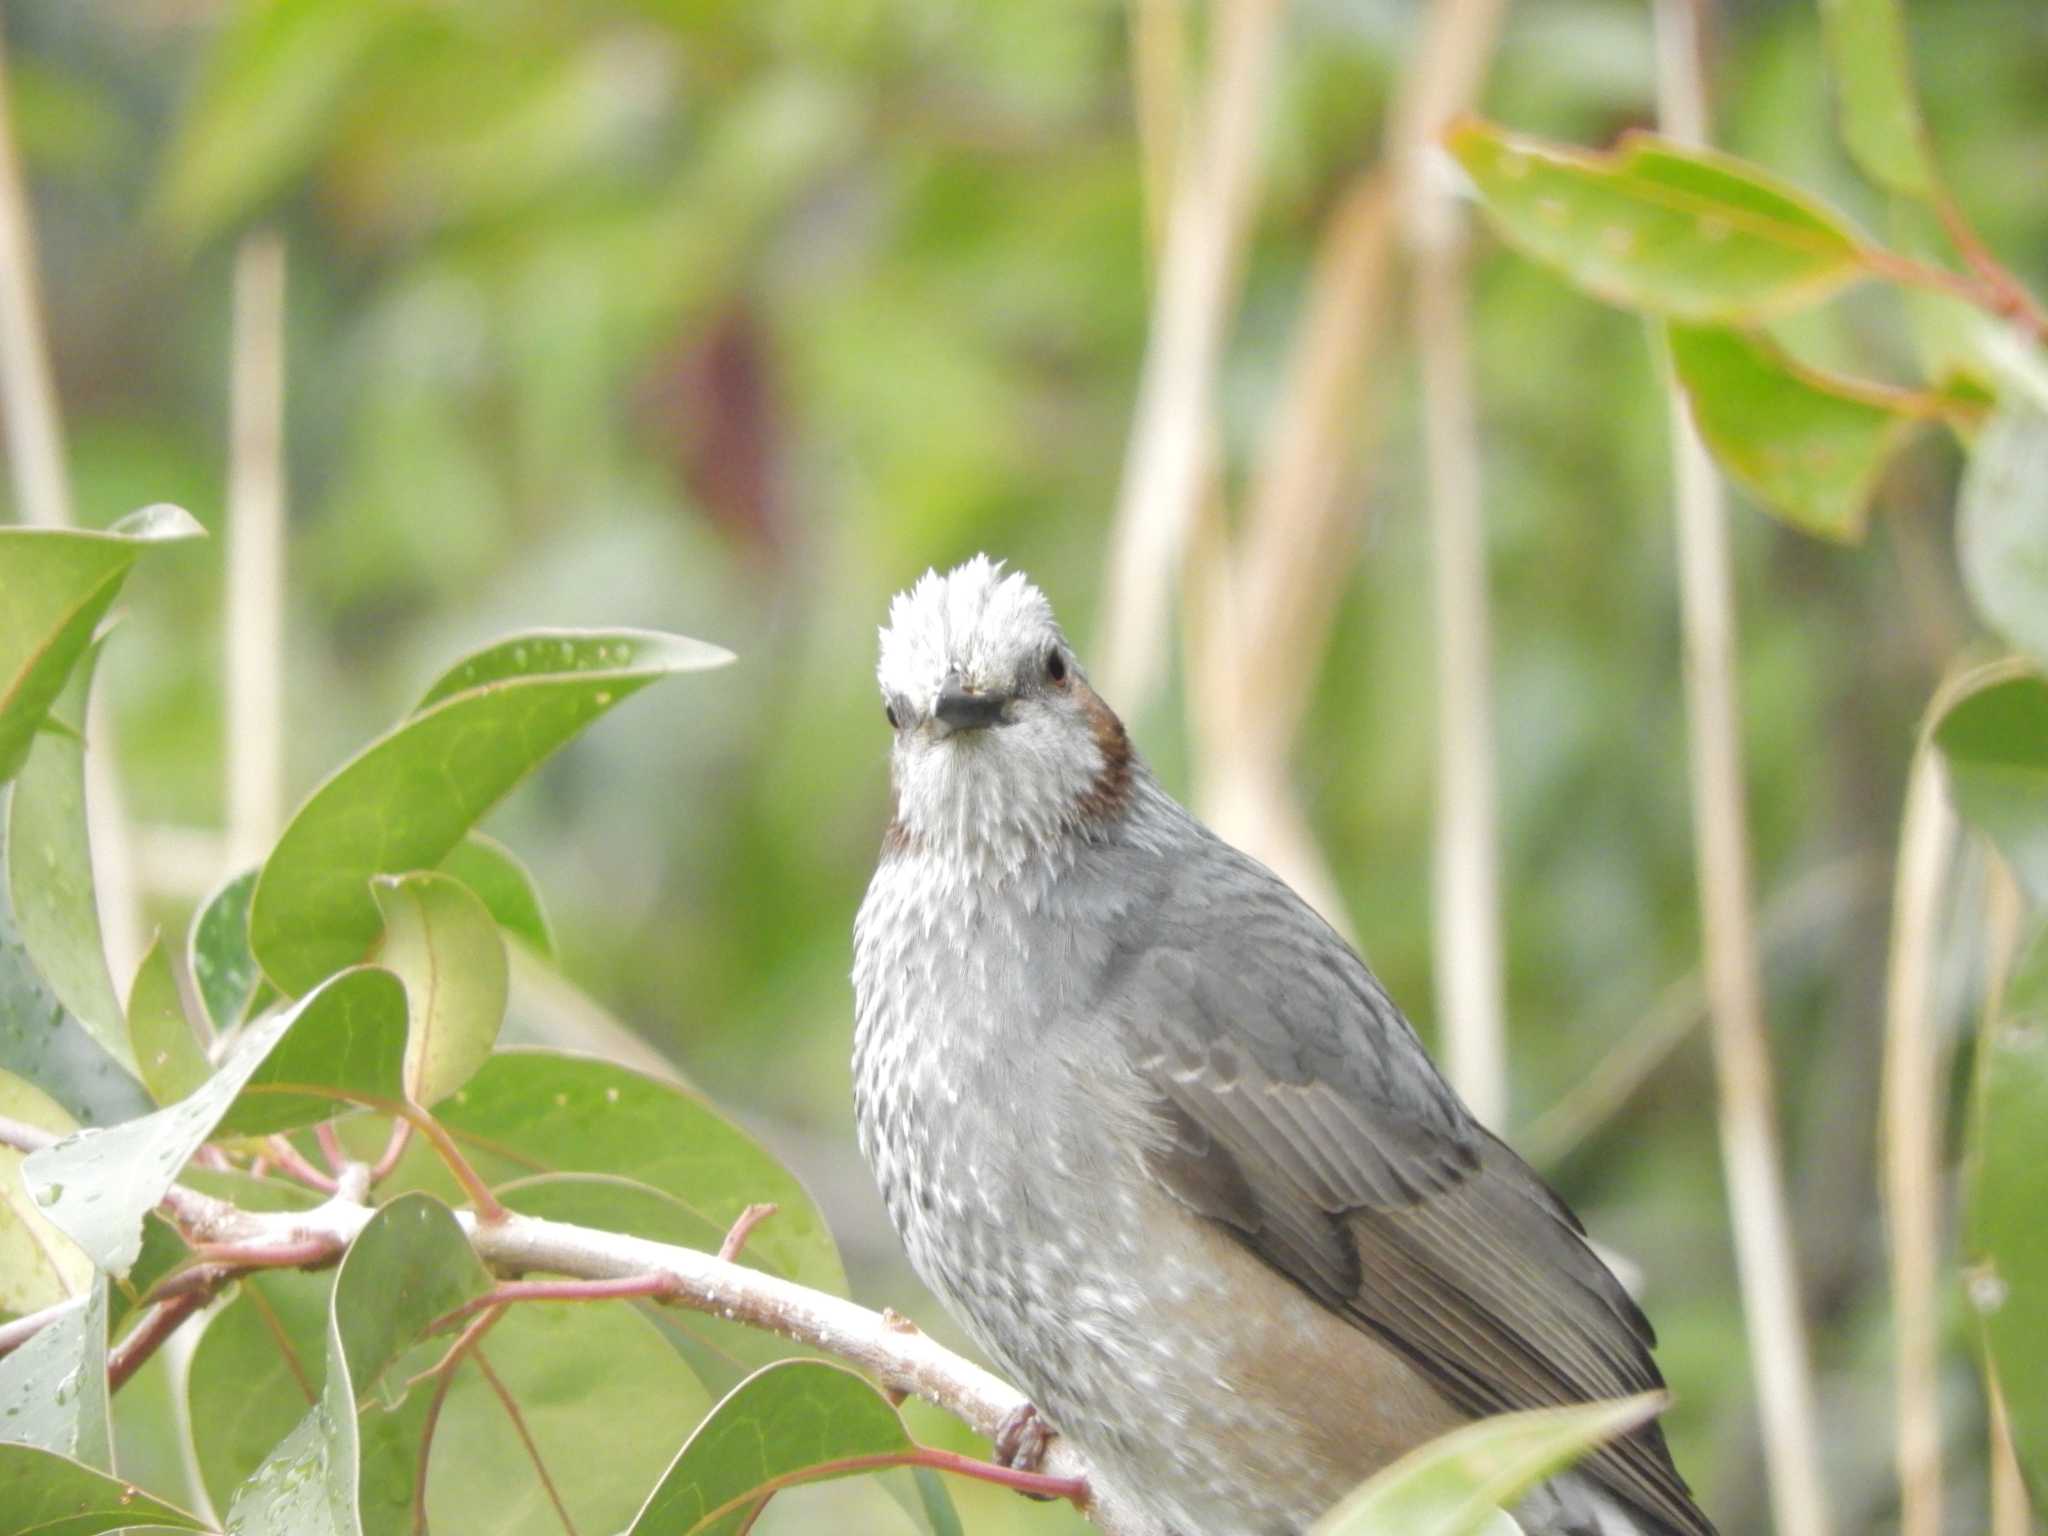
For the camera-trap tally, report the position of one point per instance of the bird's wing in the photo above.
(1302, 1115)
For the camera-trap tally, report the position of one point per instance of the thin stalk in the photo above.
(28, 395)
(2004, 915)
(1747, 1108)
(1911, 1139)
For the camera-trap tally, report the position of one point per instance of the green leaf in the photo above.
(789, 1423)
(170, 1057)
(49, 871)
(1992, 728)
(1871, 59)
(255, 1372)
(55, 584)
(2002, 526)
(406, 800)
(2007, 1169)
(45, 1494)
(45, 1045)
(53, 1389)
(344, 1041)
(39, 1266)
(506, 887)
(584, 1375)
(223, 969)
(530, 1112)
(1458, 1484)
(1809, 445)
(441, 941)
(409, 1267)
(1680, 232)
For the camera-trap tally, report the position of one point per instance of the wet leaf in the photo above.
(1808, 445)
(2002, 526)
(53, 1388)
(171, 1060)
(1680, 232)
(345, 1041)
(789, 1423)
(442, 943)
(1458, 1484)
(55, 586)
(223, 969)
(408, 799)
(255, 1372)
(45, 1494)
(39, 1266)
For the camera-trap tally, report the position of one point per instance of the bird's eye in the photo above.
(890, 711)
(1056, 665)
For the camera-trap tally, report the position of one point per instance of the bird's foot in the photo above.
(1020, 1442)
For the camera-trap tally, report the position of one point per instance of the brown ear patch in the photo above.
(1106, 798)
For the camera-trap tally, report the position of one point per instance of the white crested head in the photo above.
(1001, 746)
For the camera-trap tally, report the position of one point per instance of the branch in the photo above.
(901, 1359)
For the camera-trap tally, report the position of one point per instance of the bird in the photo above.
(1159, 1139)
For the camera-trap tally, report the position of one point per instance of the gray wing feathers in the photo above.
(1300, 1112)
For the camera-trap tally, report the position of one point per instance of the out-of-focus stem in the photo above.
(2004, 915)
(28, 397)
(1748, 1111)
(1158, 63)
(255, 553)
(1912, 1139)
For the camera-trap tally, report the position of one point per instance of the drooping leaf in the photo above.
(45, 1494)
(1680, 232)
(1872, 64)
(529, 1112)
(1458, 1484)
(506, 887)
(1992, 728)
(55, 586)
(256, 1370)
(43, 1044)
(441, 941)
(39, 1266)
(409, 1267)
(1810, 446)
(53, 1388)
(164, 1249)
(789, 1423)
(2002, 526)
(2006, 1274)
(223, 969)
(345, 1041)
(167, 1053)
(405, 801)
(49, 870)
(585, 1376)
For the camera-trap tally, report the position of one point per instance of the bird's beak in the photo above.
(963, 709)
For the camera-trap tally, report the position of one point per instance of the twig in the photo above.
(147, 1336)
(444, 1372)
(287, 1157)
(394, 1149)
(1912, 1139)
(330, 1145)
(743, 1227)
(20, 1330)
(486, 1203)
(1748, 1112)
(540, 1466)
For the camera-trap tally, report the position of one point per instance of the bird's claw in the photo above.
(1020, 1443)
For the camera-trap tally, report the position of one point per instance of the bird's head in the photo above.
(1000, 742)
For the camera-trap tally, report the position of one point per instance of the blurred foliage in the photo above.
(732, 318)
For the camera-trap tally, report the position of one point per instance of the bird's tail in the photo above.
(1575, 1505)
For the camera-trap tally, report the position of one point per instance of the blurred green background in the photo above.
(732, 317)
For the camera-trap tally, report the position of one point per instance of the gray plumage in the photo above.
(1160, 1140)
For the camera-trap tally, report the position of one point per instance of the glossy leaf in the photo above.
(410, 1266)
(53, 1388)
(585, 1376)
(167, 1053)
(39, 1265)
(255, 1372)
(45, 1494)
(1680, 232)
(1871, 59)
(2006, 1277)
(49, 871)
(55, 586)
(224, 971)
(1992, 729)
(344, 1041)
(408, 799)
(1810, 446)
(788, 1423)
(529, 1112)
(2002, 526)
(1458, 1484)
(506, 887)
(443, 944)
